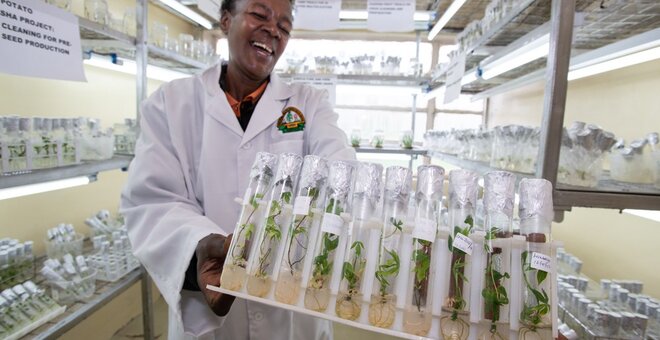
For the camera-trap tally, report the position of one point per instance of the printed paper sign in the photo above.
(39, 40)
(332, 224)
(318, 15)
(328, 83)
(210, 8)
(424, 229)
(301, 207)
(463, 243)
(541, 262)
(391, 16)
(454, 77)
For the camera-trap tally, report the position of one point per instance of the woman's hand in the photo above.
(211, 252)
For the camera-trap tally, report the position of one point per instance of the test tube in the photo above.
(463, 190)
(261, 175)
(261, 267)
(499, 193)
(307, 210)
(417, 310)
(327, 242)
(536, 213)
(362, 241)
(398, 182)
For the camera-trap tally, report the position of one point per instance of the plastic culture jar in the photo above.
(326, 244)
(498, 205)
(462, 205)
(261, 176)
(407, 139)
(417, 311)
(382, 309)
(306, 215)
(268, 240)
(362, 241)
(378, 139)
(536, 212)
(355, 138)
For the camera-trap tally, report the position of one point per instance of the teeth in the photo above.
(261, 45)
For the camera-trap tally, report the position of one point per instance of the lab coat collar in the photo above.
(269, 108)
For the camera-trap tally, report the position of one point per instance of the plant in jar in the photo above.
(382, 309)
(407, 140)
(349, 300)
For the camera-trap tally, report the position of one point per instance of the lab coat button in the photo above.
(258, 316)
(247, 146)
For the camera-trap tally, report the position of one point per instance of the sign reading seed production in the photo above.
(454, 77)
(391, 15)
(328, 83)
(39, 40)
(317, 15)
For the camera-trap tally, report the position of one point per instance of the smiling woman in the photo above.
(199, 137)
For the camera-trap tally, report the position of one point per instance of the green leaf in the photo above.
(286, 196)
(357, 246)
(540, 276)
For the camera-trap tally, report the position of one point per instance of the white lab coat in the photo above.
(192, 159)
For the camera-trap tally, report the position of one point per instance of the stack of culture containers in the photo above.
(268, 245)
(261, 175)
(395, 232)
(417, 310)
(327, 242)
(304, 226)
(536, 213)
(462, 205)
(339, 245)
(362, 242)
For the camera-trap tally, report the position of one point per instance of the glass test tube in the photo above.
(306, 214)
(340, 182)
(536, 213)
(498, 205)
(462, 205)
(268, 241)
(398, 181)
(417, 312)
(261, 175)
(359, 246)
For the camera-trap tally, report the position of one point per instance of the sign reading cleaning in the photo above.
(39, 40)
(391, 16)
(318, 15)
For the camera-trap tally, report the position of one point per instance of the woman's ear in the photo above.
(225, 21)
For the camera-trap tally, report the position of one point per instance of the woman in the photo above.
(199, 137)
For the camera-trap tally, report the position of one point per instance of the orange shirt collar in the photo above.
(252, 97)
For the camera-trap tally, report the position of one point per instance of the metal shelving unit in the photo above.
(367, 79)
(90, 169)
(554, 69)
(392, 150)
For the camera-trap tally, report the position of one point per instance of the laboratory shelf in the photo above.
(78, 312)
(91, 168)
(609, 194)
(366, 79)
(90, 30)
(391, 150)
(168, 59)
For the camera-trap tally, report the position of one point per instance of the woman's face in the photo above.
(257, 32)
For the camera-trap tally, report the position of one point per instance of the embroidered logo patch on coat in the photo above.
(292, 120)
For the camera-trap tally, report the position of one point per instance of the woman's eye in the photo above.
(285, 30)
(259, 15)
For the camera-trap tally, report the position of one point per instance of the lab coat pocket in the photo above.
(294, 146)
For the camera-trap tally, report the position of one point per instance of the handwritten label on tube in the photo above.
(332, 224)
(541, 262)
(463, 243)
(424, 229)
(301, 207)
